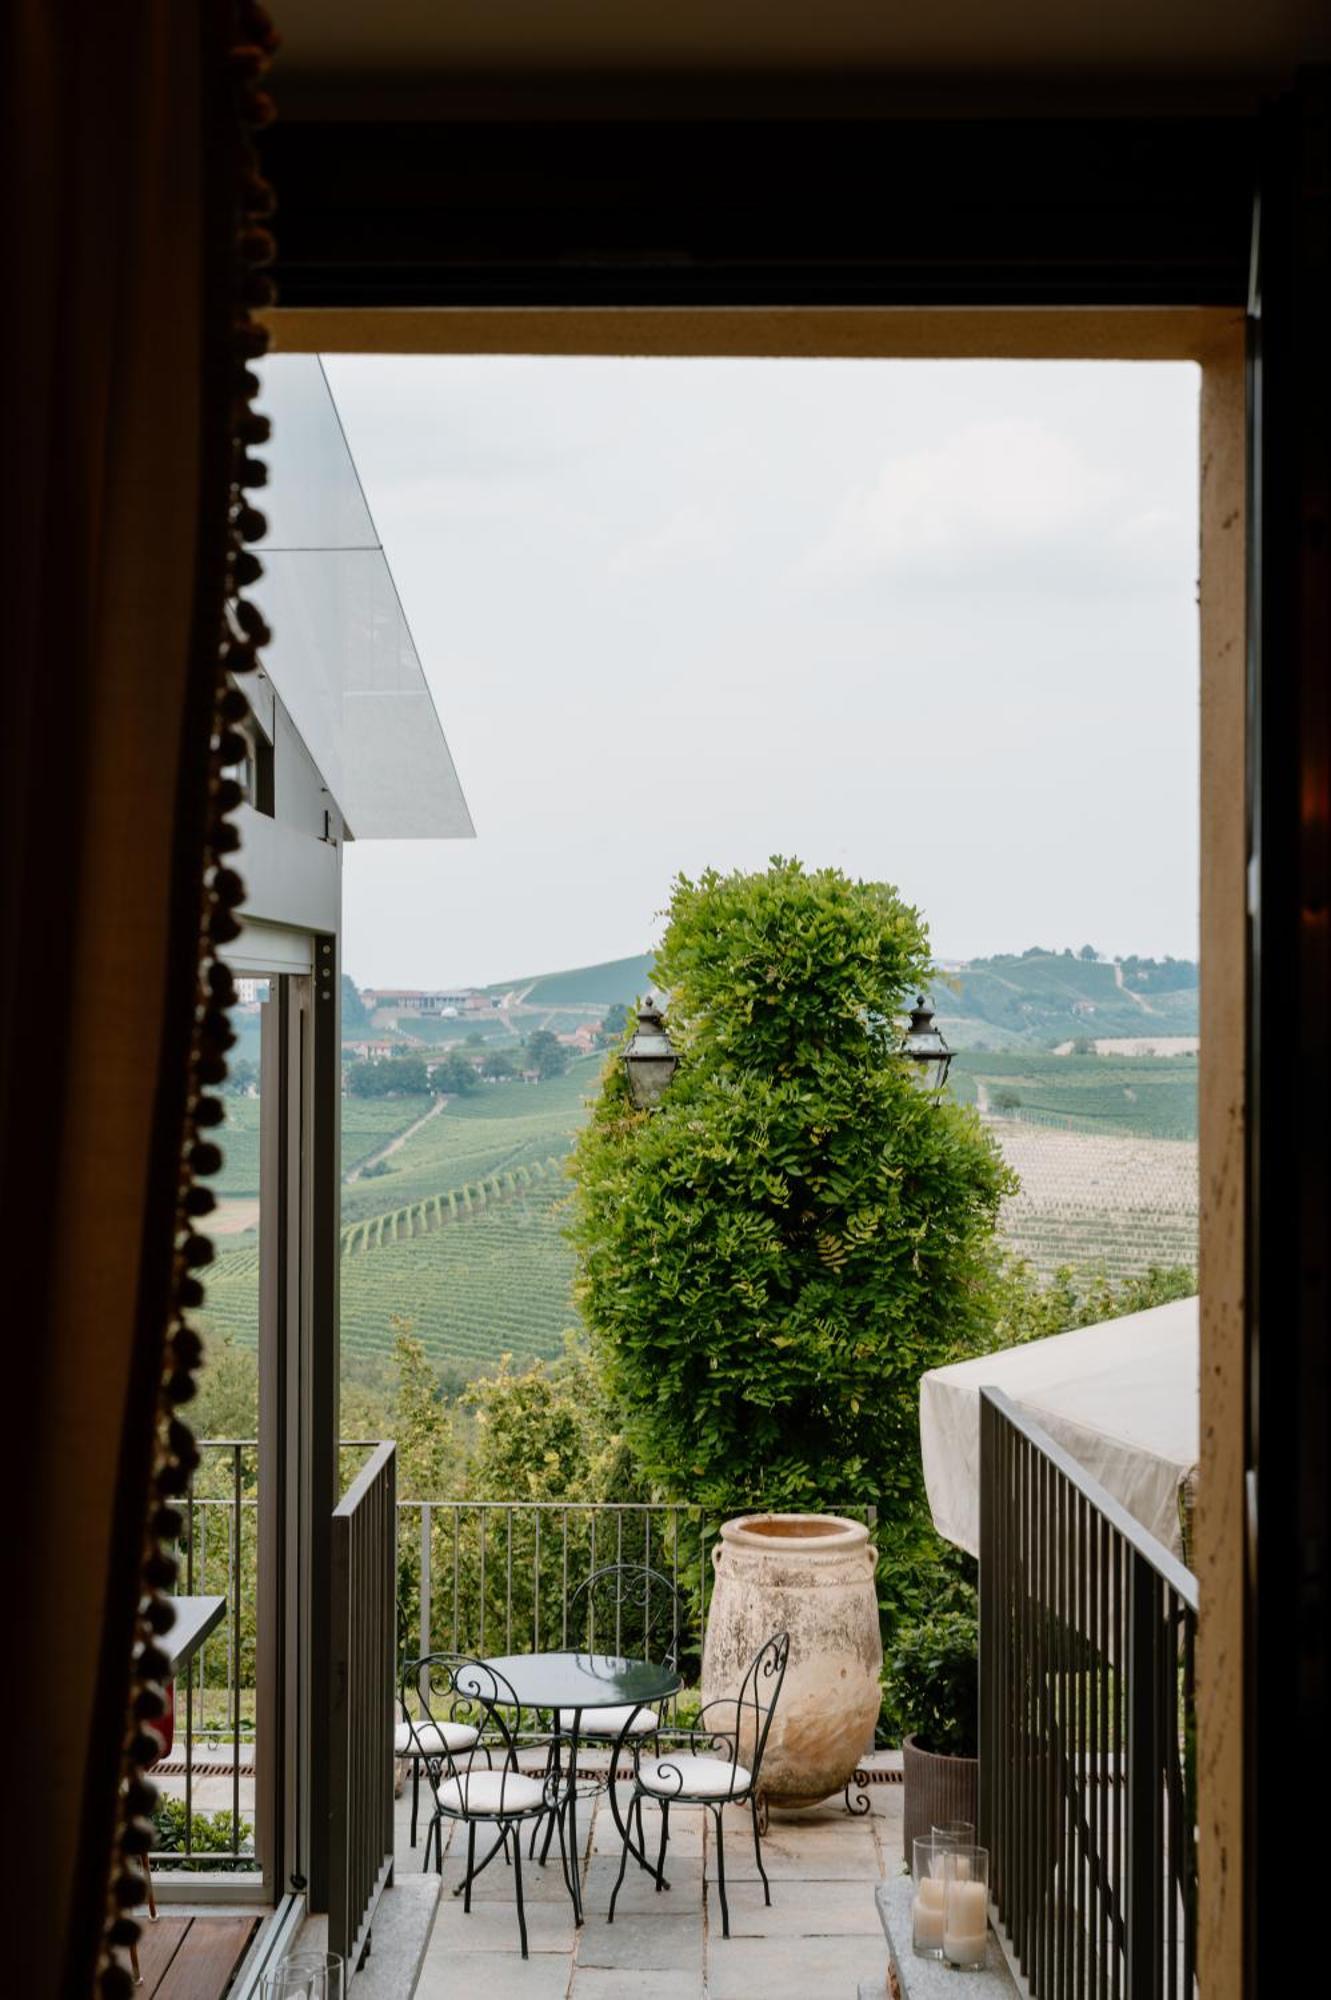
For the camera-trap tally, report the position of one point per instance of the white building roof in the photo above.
(342, 656)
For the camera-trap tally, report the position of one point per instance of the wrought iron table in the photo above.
(573, 1684)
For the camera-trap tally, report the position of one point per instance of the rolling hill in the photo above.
(619, 980)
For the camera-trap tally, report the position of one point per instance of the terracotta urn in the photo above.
(811, 1575)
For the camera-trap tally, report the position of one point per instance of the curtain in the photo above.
(124, 129)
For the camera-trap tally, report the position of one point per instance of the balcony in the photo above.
(1086, 1784)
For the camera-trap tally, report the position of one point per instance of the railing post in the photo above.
(1145, 1862)
(426, 1608)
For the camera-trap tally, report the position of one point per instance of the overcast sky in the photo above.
(934, 623)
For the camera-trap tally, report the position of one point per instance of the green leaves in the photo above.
(769, 1262)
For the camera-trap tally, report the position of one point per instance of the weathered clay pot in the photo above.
(811, 1575)
(938, 1792)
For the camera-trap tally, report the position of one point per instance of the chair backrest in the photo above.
(453, 1687)
(758, 1695)
(629, 1610)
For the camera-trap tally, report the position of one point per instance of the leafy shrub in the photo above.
(208, 1833)
(932, 1674)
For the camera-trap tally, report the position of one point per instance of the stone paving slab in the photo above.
(458, 1975)
(820, 1937)
(790, 1968)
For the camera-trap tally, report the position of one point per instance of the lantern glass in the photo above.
(650, 1059)
(925, 1046)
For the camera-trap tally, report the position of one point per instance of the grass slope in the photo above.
(1150, 1097)
(619, 979)
(1048, 998)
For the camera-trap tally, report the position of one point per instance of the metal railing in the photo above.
(497, 1576)
(472, 1576)
(213, 1748)
(364, 1666)
(1087, 1739)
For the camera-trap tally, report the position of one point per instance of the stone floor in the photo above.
(820, 1939)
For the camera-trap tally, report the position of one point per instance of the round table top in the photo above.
(584, 1680)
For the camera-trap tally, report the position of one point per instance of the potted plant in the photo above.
(933, 1680)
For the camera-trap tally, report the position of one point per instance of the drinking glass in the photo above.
(954, 1833)
(966, 1907)
(926, 1910)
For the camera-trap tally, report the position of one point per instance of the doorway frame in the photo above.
(1215, 339)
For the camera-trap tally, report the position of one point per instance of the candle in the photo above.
(965, 1922)
(927, 1929)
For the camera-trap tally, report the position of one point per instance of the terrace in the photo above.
(1086, 1800)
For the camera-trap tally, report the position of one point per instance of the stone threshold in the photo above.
(912, 1978)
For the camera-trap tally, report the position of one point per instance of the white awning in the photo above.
(1121, 1397)
(342, 657)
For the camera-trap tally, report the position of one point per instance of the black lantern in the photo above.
(649, 1060)
(924, 1045)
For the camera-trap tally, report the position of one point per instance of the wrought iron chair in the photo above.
(480, 1783)
(736, 1738)
(417, 1738)
(625, 1610)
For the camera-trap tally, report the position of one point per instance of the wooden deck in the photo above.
(192, 1958)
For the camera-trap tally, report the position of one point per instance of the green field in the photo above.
(1152, 1097)
(460, 1232)
(619, 979)
(1043, 998)
(367, 1124)
(461, 1235)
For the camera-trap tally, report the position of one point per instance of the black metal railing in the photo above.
(1087, 1739)
(364, 1666)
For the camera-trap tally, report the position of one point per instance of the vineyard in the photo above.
(367, 1124)
(460, 1229)
(1149, 1097)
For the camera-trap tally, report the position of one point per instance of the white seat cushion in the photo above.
(704, 1777)
(490, 1794)
(609, 1721)
(432, 1739)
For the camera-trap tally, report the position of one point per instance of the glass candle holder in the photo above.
(295, 1982)
(954, 1833)
(325, 1962)
(965, 1906)
(927, 1901)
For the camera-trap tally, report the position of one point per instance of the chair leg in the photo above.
(416, 1798)
(661, 1882)
(152, 1900)
(721, 1874)
(135, 1974)
(758, 1850)
(517, 1884)
(471, 1863)
(623, 1864)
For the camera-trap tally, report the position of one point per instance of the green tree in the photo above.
(402, 1076)
(455, 1075)
(546, 1054)
(354, 1013)
(499, 1064)
(770, 1261)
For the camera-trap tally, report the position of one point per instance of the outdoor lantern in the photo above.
(924, 1045)
(649, 1060)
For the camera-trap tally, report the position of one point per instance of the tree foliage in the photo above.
(397, 1076)
(770, 1261)
(546, 1054)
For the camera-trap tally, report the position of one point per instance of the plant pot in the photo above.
(811, 1575)
(937, 1790)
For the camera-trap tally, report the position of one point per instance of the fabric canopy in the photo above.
(1121, 1397)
